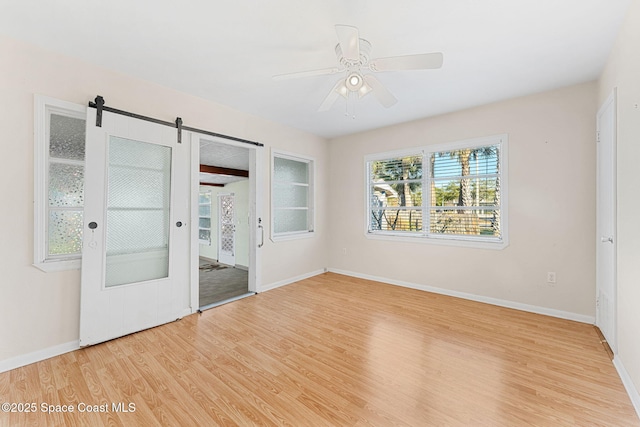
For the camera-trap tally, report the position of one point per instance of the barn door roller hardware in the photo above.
(98, 104)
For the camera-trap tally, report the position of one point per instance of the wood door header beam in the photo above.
(223, 171)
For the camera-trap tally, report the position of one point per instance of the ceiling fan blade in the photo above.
(381, 93)
(310, 73)
(339, 89)
(349, 42)
(424, 61)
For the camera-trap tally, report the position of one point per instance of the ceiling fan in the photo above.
(354, 61)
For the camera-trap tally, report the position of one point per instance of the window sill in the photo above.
(444, 241)
(58, 265)
(292, 236)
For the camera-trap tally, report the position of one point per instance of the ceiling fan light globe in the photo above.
(342, 90)
(365, 89)
(354, 82)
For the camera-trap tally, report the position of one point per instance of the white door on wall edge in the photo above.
(135, 256)
(226, 229)
(606, 221)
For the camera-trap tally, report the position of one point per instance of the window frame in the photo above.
(442, 239)
(43, 107)
(310, 231)
(204, 242)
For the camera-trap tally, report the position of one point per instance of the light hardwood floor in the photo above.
(336, 351)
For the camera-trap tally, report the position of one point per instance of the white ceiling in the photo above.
(227, 51)
(215, 153)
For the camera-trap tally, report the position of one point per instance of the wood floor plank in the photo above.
(334, 350)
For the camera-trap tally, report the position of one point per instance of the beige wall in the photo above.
(551, 204)
(623, 71)
(551, 166)
(41, 310)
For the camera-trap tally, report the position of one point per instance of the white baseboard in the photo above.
(289, 281)
(479, 298)
(37, 356)
(632, 391)
(622, 372)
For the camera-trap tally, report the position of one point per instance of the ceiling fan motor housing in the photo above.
(354, 81)
(350, 65)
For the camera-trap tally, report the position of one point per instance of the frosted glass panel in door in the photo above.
(138, 202)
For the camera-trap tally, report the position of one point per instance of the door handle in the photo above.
(605, 239)
(92, 226)
(261, 233)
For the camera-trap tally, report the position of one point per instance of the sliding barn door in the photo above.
(135, 246)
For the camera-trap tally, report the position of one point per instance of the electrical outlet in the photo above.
(551, 277)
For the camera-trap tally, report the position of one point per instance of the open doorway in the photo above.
(224, 223)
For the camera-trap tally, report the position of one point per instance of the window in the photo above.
(204, 218)
(59, 183)
(451, 192)
(291, 196)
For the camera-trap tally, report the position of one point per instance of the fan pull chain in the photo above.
(351, 113)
